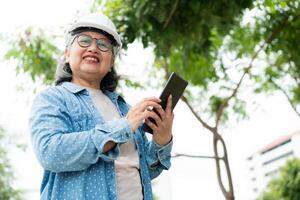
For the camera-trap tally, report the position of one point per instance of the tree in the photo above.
(186, 36)
(189, 38)
(7, 192)
(287, 185)
(35, 53)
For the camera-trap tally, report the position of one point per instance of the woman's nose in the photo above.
(93, 47)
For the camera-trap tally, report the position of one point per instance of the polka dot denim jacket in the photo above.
(68, 135)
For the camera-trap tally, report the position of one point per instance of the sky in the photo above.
(188, 178)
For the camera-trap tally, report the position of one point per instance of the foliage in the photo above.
(287, 185)
(7, 192)
(188, 33)
(35, 53)
(195, 38)
(277, 24)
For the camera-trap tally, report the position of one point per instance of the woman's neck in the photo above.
(84, 83)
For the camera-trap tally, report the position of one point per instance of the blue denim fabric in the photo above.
(68, 135)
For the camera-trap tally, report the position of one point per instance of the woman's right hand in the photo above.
(138, 113)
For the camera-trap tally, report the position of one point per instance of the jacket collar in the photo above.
(74, 88)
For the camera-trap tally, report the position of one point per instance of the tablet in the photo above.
(175, 87)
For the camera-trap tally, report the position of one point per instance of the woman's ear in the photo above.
(67, 55)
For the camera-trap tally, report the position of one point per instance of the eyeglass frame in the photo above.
(112, 47)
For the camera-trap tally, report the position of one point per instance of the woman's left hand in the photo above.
(162, 130)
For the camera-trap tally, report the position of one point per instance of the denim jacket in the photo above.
(68, 135)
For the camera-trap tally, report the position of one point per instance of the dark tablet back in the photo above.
(175, 87)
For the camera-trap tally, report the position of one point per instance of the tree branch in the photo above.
(212, 129)
(287, 96)
(248, 68)
(296, 75)
(171, 14)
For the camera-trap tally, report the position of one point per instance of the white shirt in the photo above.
(129, 186)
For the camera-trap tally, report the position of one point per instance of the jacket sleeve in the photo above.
(60, 150)
(158, 157)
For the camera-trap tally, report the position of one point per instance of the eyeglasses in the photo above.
(86, 41)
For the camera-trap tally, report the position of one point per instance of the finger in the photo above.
(157, 100)
(147, 114)
(161, 113)
(156, 118)
(151, 125)
(155, 110)
(169, 104)
(145, 105)
(146, 102)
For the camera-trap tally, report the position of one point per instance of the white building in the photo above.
(265, 163)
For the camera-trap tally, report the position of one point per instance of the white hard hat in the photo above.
(97, 21)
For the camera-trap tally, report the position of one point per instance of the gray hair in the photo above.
(63, 72)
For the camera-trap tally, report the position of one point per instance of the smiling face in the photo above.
(89, 64)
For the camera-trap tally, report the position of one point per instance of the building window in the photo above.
(290, 153)
(272, 173)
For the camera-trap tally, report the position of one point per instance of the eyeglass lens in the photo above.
(86, 41)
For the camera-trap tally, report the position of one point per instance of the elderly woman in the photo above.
(89, 141)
